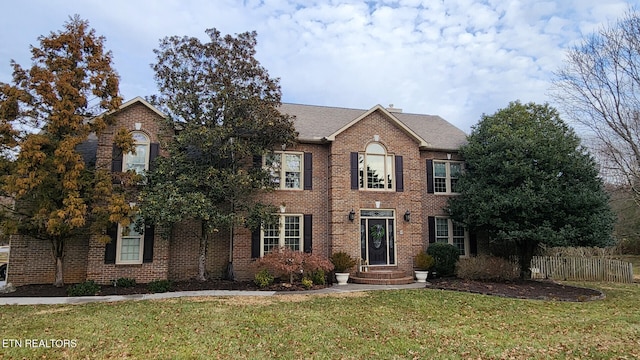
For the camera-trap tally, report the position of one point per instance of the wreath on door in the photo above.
(377, 234)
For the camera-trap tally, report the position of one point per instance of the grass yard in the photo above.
(406, 324)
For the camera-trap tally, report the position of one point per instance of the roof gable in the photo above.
(390, 117)
(317, 124)
(142, 101)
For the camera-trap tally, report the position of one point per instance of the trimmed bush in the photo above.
(285, 262)
(159, 286)
(445, 256)
(319, 277)
(307, 283)
(87, 288)
(423, 261)
(487, 268)
(263, 278)
(125, 282)
(342, 262)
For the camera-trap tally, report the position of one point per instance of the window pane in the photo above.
(442, 230)
(375, 172)
(389, 172)
(375, 148)
(440, 185)
(138, 161)
(272, 162)
(130, 248)
(271, 237)
(439, 169)
(361, 170)
(292, 232)
(456, 169)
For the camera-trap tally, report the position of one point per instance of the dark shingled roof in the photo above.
(316, 123)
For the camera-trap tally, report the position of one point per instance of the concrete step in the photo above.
(382, 277)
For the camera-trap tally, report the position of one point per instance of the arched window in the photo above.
(375, 167)
(138, 162)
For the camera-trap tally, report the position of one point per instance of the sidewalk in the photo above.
(168, 295)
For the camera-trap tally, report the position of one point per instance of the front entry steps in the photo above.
(382, 277)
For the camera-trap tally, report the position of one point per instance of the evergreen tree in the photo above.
(528, 181)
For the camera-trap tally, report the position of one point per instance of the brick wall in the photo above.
(31, 261)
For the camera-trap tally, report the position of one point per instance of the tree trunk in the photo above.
(526, 250)
(202, 254)
(57, 245)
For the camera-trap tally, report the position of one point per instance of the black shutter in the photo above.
(147, 252)
(257, 161)
(255, 243)
(154, 151)
(308, 233)
(116, 159)
(110, 248)
(399, 174)
(308, 171)
(354, 171)
(432, 229)
(473, 244)
(430, 177)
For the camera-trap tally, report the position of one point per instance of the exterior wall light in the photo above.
(352, 215)
(407, 216)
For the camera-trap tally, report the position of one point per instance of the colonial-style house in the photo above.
(372, 183)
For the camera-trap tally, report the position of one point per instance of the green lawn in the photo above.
(405, 324)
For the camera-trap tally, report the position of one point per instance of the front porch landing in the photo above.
(382, 277)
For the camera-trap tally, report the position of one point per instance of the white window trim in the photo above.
(283, 181)
(392, 171)
(119, 248)
(447, 176)
(147, 143)
(467, 245)
(281, 233)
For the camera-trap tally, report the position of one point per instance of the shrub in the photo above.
(125, 282)
(287, 262)
(423, 261)
(445, 256)
(342, 262)
(487, 268)
(319, 277)
(87, 288)
(307, 283)
(159, 286)
(263, 278)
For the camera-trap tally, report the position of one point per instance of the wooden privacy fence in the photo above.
(581, 269)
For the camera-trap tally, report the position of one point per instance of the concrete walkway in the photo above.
(336, 289)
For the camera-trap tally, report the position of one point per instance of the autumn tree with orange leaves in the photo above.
(46, 113)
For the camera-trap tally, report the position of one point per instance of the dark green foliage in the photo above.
(87, 288)
(528, 181)
(445, 256)
(263, 278)
(487, 268)
(342, 262)
(125, 282)
(423, 261)
(159, 286)
(225, 105)
(319, 277)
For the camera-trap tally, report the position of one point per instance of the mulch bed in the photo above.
(522, 289)
(525, 289)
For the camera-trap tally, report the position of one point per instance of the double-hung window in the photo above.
(287, 232)
(445, 176)
(130, 245)
(285, 169)
(138, 161)
(450, 232)
(375, 168)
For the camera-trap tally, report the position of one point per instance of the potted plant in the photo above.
(342, 262)
(423, 262)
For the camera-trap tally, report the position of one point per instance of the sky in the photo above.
(458, 59)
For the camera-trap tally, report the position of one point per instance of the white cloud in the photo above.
(454, 58)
